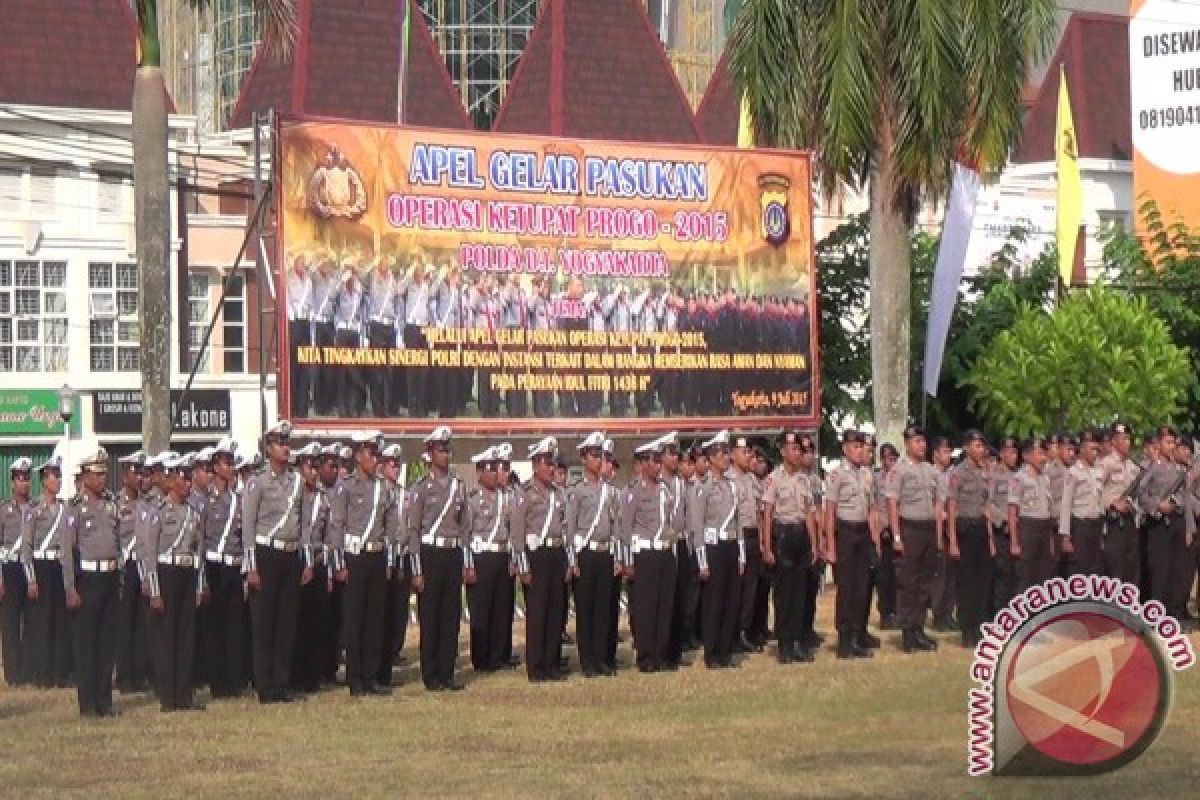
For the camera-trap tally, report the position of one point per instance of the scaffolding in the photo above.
(693, 44)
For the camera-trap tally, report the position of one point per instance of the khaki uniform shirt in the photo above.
(127, 513)
(851, 490)
(970, 487)
(363, 512)
(42, 530)
(1057, 474)
(222, 525)
(790, 496)
(436, 509)
(998, 494)
(271, 507)
(488, 517)
(92, 529)
(1158, 485)
(591, 513)
(914, 487)
(1030, 493)
(1116, 476)
(748, 498)
(645, 515)
(1083, 495)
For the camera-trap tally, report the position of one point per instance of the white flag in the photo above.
(952, 254)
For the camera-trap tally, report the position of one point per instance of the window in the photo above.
(226, 351)
(113, 328)
(114, 193)
(33, 316)
(28, 192)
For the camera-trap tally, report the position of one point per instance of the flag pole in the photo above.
(402, 77)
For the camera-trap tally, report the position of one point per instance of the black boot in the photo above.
(888, 622)
(849, 646)
(924, 641)
(908, 640)
(804, 655)
(866, 641)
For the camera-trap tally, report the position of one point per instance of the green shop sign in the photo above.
(34, 412)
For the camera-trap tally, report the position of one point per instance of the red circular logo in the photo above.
(1085, 689)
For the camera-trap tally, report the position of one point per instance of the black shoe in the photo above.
(924, 641)
(379, 690)
(514, 662)
(166, 709)
(193, 706)
(670, 666)
(785, 655)
(727, 662)
(647, 668)
(713, 663)
(751, 645)
(108, 713)
(888, 622)
(804, 655)
(908, 641)
(608, 671)
(812, 639)
(867, 641)
(849, 647)
(358, 691)
(567, 638)
(453, 687)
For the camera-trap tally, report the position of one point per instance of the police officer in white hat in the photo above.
(224, 555)
(488, 510)
(591, 524)
(14, 609)
(50, 642)
(133, 655)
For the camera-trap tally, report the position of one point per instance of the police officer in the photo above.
(488, 509)
(330, 642)
(417, 300)
(690, 567)
(885, 577)
(299, 312)
(225, 612)
(849, 535)
(1081, 515)
(720, 551)
(364, 531)
(912, 497)
(945, 586)
(1004, 574)
(170, 543)
(506, 483)
(671, 458)
(621, 555)
(1030, 525)
(647, 527)
(50, 643)
(91, 564)
(436, 519)
(348, 325)
(132, 657)
(545, 561)
(398, 586)
(271, 532)
(14, 608)
(1170, 530)
(970, 535)
(1119, 476)
(749, 500)
(591, 523)
(380, 313)
(788, 515)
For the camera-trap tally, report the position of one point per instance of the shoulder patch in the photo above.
(71, 520)
(250, 486)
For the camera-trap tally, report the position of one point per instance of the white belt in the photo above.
(5, 553)
(380, 320)
(651, 544)
(184, 560)
(299, 318)
(47, 555)
(356, 546)
(553, 541)
(214, 557)
(347, 326)
(440, 541)
(276, 544)
(599, 547)
(107, 565)
(493, 547)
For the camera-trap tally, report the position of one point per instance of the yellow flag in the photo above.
(745, 124)
(1070, 186)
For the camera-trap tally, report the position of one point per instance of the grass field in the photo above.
(893, 726)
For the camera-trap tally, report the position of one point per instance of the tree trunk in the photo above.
(152, 215)
(891, 304)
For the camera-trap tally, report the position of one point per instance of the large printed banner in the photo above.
(520, 283)
(1164, 64)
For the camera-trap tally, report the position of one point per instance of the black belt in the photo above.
(750, 531)
(970, 520)
(919, 522)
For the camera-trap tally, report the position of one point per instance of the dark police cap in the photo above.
(796, 437)
(1033, 443)
(973, 435)
(853, 436)
(1165, 430)
(1121, 428)
(913, 431)
(938, 442)
(1069, 441)
(889, 449)
(1090, 434)
(1007, 442)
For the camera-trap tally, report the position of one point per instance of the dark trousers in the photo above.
(351, 389)
(308, 661)
(975, 571)
(173, 636)
(945, 587)
(440, 608)
(133, 648)
(50, 644)
(720, 600)
(274, 613)
(650, 606)
(853, 565)
(545, 607)
(691, 603)
(224, 634)
(94, 627)
(487, 397)
(812, 577)
(417, 378)
(916, 572)
(397, 592)
(379, 379)
(1004, 572)
(614, 621)
(14, 625)
(362, 618)
(685, 578)
(1185, 576)
(593, 608)
(299, 335)
(324, 391)
(793, 558)
(331, 645)
(885, 577)
(1167, 552)
(1037, 562)
(1087, 537)
(487, 600)
(1121, 556)
(749, 581)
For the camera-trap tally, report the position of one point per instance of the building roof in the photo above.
(1095, 52)
(346, 63)
(719, 109)
(69, 53)
(596, 69)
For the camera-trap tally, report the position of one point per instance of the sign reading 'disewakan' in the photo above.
(523, 283)
(33, 412)
(204, 411)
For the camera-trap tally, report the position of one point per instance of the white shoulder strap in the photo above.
(599, 510)
(549, 516)
(437, 523)
(287, 511)
(499, 516)
(374, 510)
(53, 529)
(228, 523)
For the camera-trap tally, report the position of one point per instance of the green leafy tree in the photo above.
(152, 201)
(1162, 266)
(1098, 356)
(887, 93)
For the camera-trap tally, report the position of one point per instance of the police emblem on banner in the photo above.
(773, 197)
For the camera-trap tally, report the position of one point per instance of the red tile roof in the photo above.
(718, 113)
(70, 53)
(1095, 50)
(596, 69)
(346, 63)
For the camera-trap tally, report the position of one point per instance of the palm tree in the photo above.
(888, 93)
(277, 21)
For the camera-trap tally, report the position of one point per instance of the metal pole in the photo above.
(256, 232)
